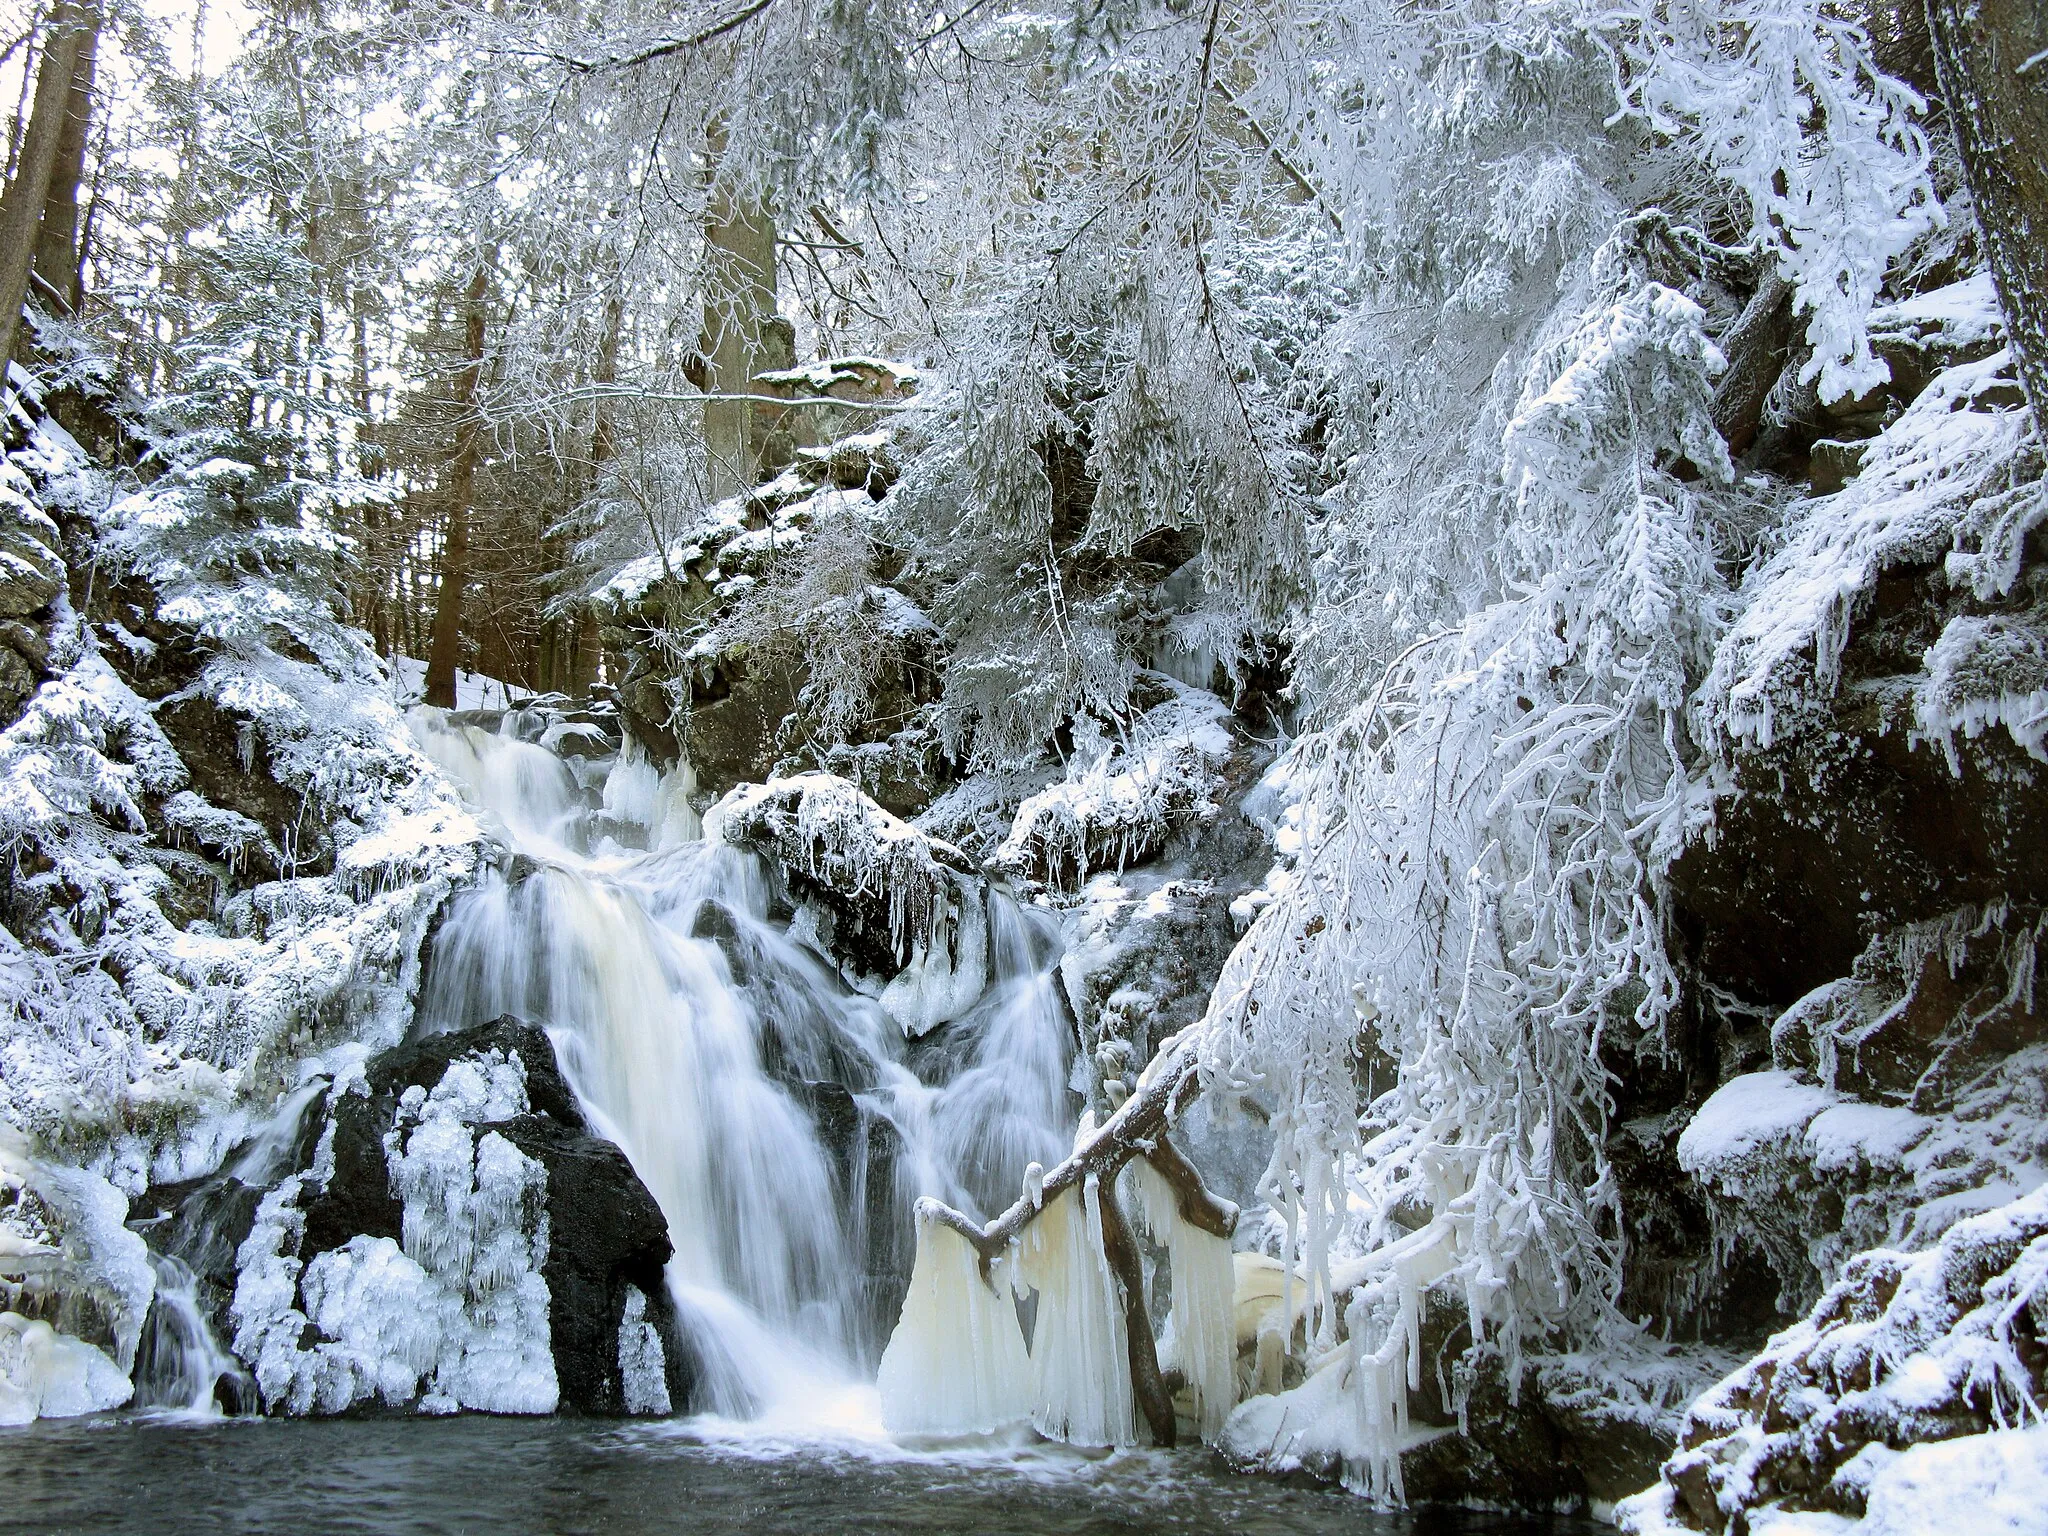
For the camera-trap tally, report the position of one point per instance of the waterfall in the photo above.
(751, 1088)
(180, 1363)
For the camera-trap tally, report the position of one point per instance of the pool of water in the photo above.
(477, 1476)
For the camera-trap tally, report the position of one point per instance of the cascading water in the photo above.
(712, 1047)
(180, 1362)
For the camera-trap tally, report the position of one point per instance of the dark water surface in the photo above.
(477, 1476)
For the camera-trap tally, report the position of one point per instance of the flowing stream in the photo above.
(482, 1476)
(711, 1046)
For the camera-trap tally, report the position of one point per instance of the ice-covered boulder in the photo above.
(1569, 1429)
(1122, 801)
(904, 913)
(442, 1231)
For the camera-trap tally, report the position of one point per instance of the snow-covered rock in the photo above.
(1937, 1356)
(457, 1240)
(1121, 801)
(904, 913)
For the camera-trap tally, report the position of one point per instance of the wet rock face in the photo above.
(1849, 827)
(231, 769)
(1824, 931)
(31, 575)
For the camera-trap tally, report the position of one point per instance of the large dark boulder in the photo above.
(607, 1238)
(606, 1235)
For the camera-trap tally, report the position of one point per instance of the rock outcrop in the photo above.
(904, 913)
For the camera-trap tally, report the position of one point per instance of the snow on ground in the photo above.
(473, 690)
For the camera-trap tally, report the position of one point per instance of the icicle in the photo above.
(956, 1362)
(1080, 1363)
(1204, 1299)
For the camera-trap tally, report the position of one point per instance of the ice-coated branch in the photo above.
(1137, 1129)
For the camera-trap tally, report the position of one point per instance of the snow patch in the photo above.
(1746, 1117)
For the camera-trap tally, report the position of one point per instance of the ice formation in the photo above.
(455, 1316)
(47, 1374)
(1080, 1361)
(643, 1364)
(638, 792)
(75, 1289)
(1203, 1333)
(956, 1363)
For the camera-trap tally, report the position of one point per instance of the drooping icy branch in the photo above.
(1136, 1129)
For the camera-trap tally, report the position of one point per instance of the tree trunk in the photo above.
(588, 660)
(21, 208)
(1756, 347)
(1992, 59)
(59, 264)
(579, 628)
(739, 303)
(446, 649)
(376, 577)
(1120, 1248)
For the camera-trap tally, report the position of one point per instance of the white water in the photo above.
(688, 1022)
(184, 1362)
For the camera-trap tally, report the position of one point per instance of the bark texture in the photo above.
(21, 208)
(739, 306)
(58, 262)
(1992, 60)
